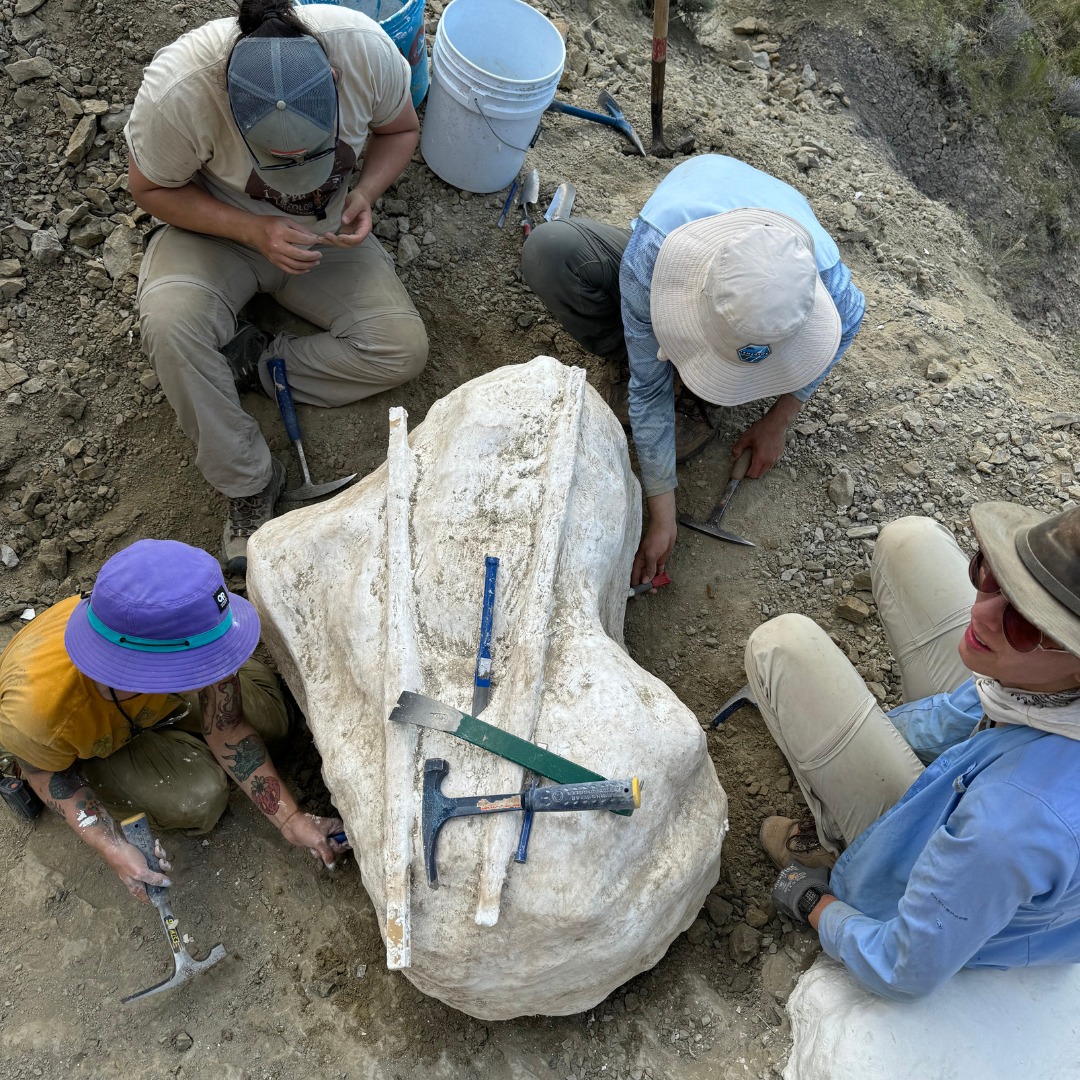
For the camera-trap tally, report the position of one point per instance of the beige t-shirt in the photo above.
(182, 130)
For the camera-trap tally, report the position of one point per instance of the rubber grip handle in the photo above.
(137, 833)
(738, 470)
(599, 795)
(276, 366)
(482, 675)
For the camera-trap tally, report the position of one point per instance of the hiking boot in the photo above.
(617, 396)
(243, 352)
(696, 423)
(246, 514)
(786, 841)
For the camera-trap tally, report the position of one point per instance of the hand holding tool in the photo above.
(529, 194)
(427, 712)
(711, 525)
(307, 490)
(482, 675)
(798, 890)
(611, 117)
(656, 91)
(657, 582)
(137, 833)
(439, 809)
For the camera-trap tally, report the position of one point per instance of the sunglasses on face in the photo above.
(1021, 635)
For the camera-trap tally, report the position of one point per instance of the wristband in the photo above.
(288, 819)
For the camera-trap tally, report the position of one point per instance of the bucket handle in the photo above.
(519, 149)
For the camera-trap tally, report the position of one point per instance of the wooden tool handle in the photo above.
(738, 470)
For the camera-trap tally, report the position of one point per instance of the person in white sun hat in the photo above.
(944, 833)
(728, 281)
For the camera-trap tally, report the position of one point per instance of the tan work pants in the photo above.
(191, 288)
(171, 774)
(850, 762)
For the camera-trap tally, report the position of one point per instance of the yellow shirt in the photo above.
(50, 712)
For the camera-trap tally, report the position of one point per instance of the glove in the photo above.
(796, 887)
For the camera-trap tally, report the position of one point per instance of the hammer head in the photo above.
(436, 810)
(186, 968)
(316, 491)
(715, 530)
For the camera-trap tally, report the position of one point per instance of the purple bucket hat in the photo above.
(159, 620)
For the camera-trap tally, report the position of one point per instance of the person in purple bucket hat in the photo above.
(144, 696)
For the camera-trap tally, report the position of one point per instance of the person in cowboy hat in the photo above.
(143, 696)
(243, 141)
(726, 279)
(951, 824)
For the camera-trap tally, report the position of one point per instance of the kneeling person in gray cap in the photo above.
(951, 824)
(243, 138)
(727, 278)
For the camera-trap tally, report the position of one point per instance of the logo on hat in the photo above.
(221, 598)
(754, 354)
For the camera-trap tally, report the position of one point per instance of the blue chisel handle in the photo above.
(276, 367)
(482, 676)
(585, 114)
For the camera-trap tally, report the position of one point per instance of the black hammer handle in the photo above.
(137, 833)
(599, 795)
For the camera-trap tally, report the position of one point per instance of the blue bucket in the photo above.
(404, 22)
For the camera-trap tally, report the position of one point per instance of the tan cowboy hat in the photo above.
(1036, 561)
(739, 308)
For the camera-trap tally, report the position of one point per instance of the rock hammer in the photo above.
(711, 525)
(185, 967)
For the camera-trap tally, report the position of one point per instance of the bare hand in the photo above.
(657, 542)
(355, 222)
(130, 863)
(313, 832)
(764, 439)
(286, 244)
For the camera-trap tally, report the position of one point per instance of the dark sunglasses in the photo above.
(1019, 633)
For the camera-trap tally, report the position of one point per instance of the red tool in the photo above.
(657, 582)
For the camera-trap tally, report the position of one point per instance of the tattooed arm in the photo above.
(74, 800)
(242, 754)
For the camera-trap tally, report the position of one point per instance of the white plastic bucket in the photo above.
(495, 67)
(403, 20)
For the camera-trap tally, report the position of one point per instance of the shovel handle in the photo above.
(276, 366)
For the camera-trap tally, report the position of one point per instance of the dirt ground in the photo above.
(961, 386)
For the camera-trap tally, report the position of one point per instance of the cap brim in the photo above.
(677, 307)
(161, 673)
(300, 179)
(997, 526)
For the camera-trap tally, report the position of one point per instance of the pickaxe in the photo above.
(185, 967)
(439, 808)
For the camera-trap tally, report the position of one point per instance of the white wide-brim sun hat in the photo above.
(739, 308)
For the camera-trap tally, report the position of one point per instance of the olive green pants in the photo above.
(170, 774)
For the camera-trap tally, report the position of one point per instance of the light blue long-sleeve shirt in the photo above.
(978, 865)
(701, 187)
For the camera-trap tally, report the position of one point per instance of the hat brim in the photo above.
(677, 307)
(998, 526)
(161, 673)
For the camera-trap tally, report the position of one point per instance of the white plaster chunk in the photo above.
(379, 590)
(994, 1025)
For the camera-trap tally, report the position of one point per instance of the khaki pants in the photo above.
(171, 774)
(850, 762)
(191, 288)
